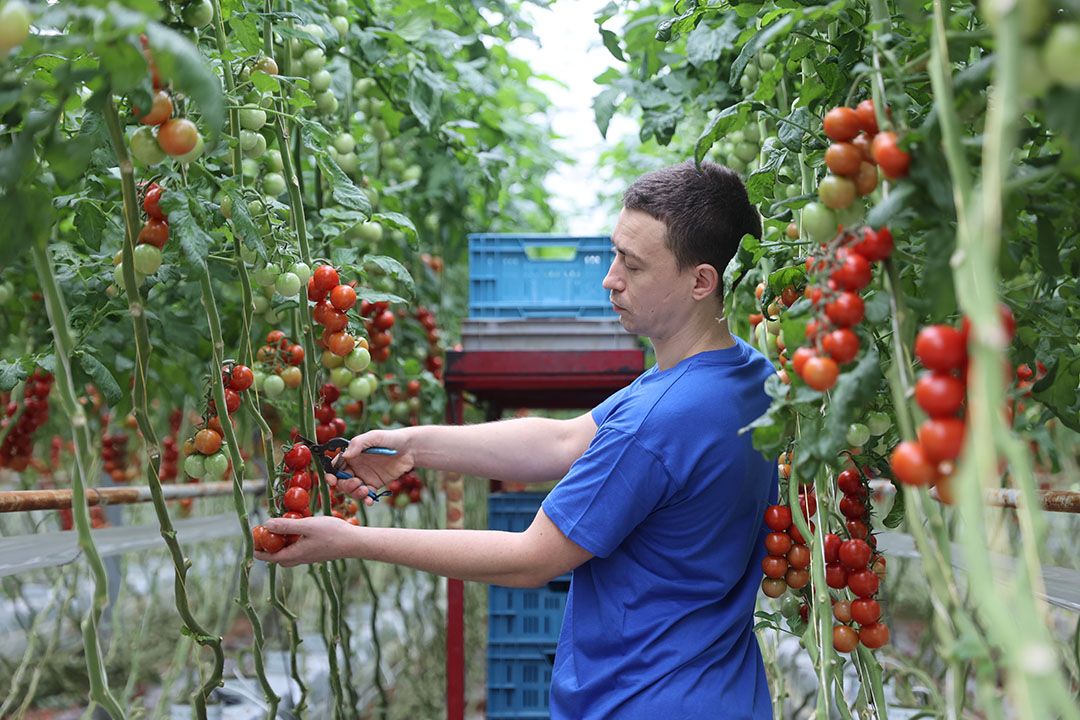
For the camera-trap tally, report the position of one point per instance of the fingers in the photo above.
(285, 526)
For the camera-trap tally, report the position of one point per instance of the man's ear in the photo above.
(706, 281)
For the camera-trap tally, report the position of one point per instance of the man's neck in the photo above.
(710, 334)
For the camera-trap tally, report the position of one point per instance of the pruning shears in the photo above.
(336, 445)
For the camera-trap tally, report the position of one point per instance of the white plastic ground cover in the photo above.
(20, 553)
(1062, 584)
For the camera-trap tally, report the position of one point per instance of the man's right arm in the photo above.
(530, 449)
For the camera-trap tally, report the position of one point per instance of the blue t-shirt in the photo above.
(669, 497)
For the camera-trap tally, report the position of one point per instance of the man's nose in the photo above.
(612, 281)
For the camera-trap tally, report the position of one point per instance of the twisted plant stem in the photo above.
(140, 403)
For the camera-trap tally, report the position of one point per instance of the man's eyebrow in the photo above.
(632, 255)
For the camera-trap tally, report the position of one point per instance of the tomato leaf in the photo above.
(389, 266)
(399, 222)
(720, 124)
(182, 211)
(854, 390)
(756, 43)
(317, 139)
(100, 375)
(371, 295)
(896, 512)
(604, 106)
(241, 220)
(883, 213)
(11, 373)
(1060, 392)
(182, 63)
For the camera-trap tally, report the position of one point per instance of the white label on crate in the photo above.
(592, 259)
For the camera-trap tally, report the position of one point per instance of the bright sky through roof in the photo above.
(570, 51)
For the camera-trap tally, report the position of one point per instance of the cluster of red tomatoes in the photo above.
(162, 134)
(856, 153)
(407, 489)
(378, 319)
(297, 480)
(851, 563)
(152, 238)
(170, 452)
(840, 307)
(114, 455)
(279, 364)
(434, 360)
(205, 452)
(19, 443)
(940, 391)
(329, 425)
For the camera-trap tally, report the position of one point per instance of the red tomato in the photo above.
(342, 297)
(325, 279)
(778, 518)
(835, 576)
(330, 392)
(820, 373)
(875, 244)
(874, 636)
(154, 232)
(850, 482)
(774, 566)
(160, 111)
(777, 543)
(893, 161)
(863, 583)
(207, 442)
(797, 579)
(844, 638)
(852, 508)
(865, 611)
(940, 347)
(298, 457)
(298, 500)
(942, 438)
(300, 479)
(335, 320)
(858, 529)
(797, 536)
(854, 272)
(863, 142)
(773, 587)
(258, 535)
(867, 117)
(866, 178)
(232, 400)
(939, 394)
(340, 343)
(846, 309)
(842, 345)
(799, 358)
(910, 465)
(241, 378)
(843, 158)
(841, 610)
(152, 200)
(177, 136)
(855, 554)
(832, 547)
(808, 505)
(798, 557)
(841, 124)
(1008, 322)
(384, 320)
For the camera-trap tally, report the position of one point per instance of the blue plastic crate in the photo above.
(519, 680)
(538, 275)
(523, 614)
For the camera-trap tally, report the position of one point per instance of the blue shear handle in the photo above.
(380, 451)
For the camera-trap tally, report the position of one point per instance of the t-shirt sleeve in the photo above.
(608, 492)
(601, 411)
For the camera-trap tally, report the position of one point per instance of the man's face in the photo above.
(650, 295)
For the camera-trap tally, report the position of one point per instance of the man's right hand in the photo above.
(372, 471)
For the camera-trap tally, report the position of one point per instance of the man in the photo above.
(659, 509)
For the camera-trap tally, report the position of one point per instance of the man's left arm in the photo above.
(526, 559)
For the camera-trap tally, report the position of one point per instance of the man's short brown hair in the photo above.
(706, 212)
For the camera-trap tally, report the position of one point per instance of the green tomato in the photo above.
(431, 221)
(341, 25)
(1030, 14)
(314, 59)
(789, 606)
(767, 61)
(194, 153)
(198, 13)
(373, 381)
(751, 133)
(379, 131)
(359, 389)
(326, 102)
(341, 377)
(6, 292)
(320, 80)
(331, 361)
(1061, 52)
(267, 274)
(858, 435)
(248, 254)
(273, 385)
(258, 149)
(271, 317)
(216, 465)
(412, 173)
(147, 259)
(260, 378)
(302, 271)
(273, 159)
(252, 117)
(388, 150)
(14, 25)
(273, 184)
(288, 284)
(746, 151)
(260, 304)
(818, 222)
(250, 168)
(226, 209)
(400, 411)
(362, 86)
(358, 360)
(145, 148)
(878, 423)
(314, 30)
(195, 466)
(248, 140)
(348, 163)
(344, 143)
(339, 7)
(370, 232)
(1036, 80)
(751, 72)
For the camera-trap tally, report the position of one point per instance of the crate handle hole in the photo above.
(555, 253)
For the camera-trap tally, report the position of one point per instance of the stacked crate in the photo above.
(523, 625)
